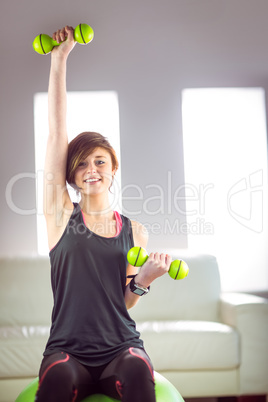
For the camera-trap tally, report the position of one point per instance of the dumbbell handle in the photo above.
(137, 256)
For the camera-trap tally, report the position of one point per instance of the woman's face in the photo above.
(94, 174)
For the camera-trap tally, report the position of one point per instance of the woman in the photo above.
(93, 344)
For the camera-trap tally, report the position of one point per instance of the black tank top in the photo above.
(90, 320)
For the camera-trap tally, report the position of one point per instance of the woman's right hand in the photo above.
(154, 267)
(67, 45)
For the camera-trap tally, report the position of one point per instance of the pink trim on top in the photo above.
(118, 221)
(83, 217)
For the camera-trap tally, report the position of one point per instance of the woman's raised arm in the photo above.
(55, 193)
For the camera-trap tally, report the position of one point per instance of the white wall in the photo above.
(147, 51)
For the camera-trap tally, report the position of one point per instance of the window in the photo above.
(87, 111)
(225, 151)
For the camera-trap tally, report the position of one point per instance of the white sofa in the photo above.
(205, 342)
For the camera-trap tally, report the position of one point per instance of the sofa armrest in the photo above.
(249, 315)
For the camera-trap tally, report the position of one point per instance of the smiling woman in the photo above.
(90, 152)
(93, 343)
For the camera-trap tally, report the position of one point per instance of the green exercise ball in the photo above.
(28, 394)
(164, 391)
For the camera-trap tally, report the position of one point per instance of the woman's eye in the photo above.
(99, 162)
(82, 164)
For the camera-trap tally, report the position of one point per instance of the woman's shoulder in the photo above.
(140, 233)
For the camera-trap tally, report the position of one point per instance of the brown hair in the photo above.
(83, 145)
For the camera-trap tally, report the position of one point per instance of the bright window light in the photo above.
(87, 111)
(225, 153)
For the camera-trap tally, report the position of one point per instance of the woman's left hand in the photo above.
(155, 266)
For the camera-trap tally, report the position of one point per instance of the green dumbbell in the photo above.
(137, 256)
(43, 44)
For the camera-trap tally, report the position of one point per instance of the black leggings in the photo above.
(129, 377)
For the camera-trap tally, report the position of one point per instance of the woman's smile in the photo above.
(92, 180)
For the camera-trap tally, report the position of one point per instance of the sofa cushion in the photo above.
(21, 350)
(172, 345)
(25, 291)
(195, 297)
(190, 345)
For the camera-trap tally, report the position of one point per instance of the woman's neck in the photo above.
(96, 206)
